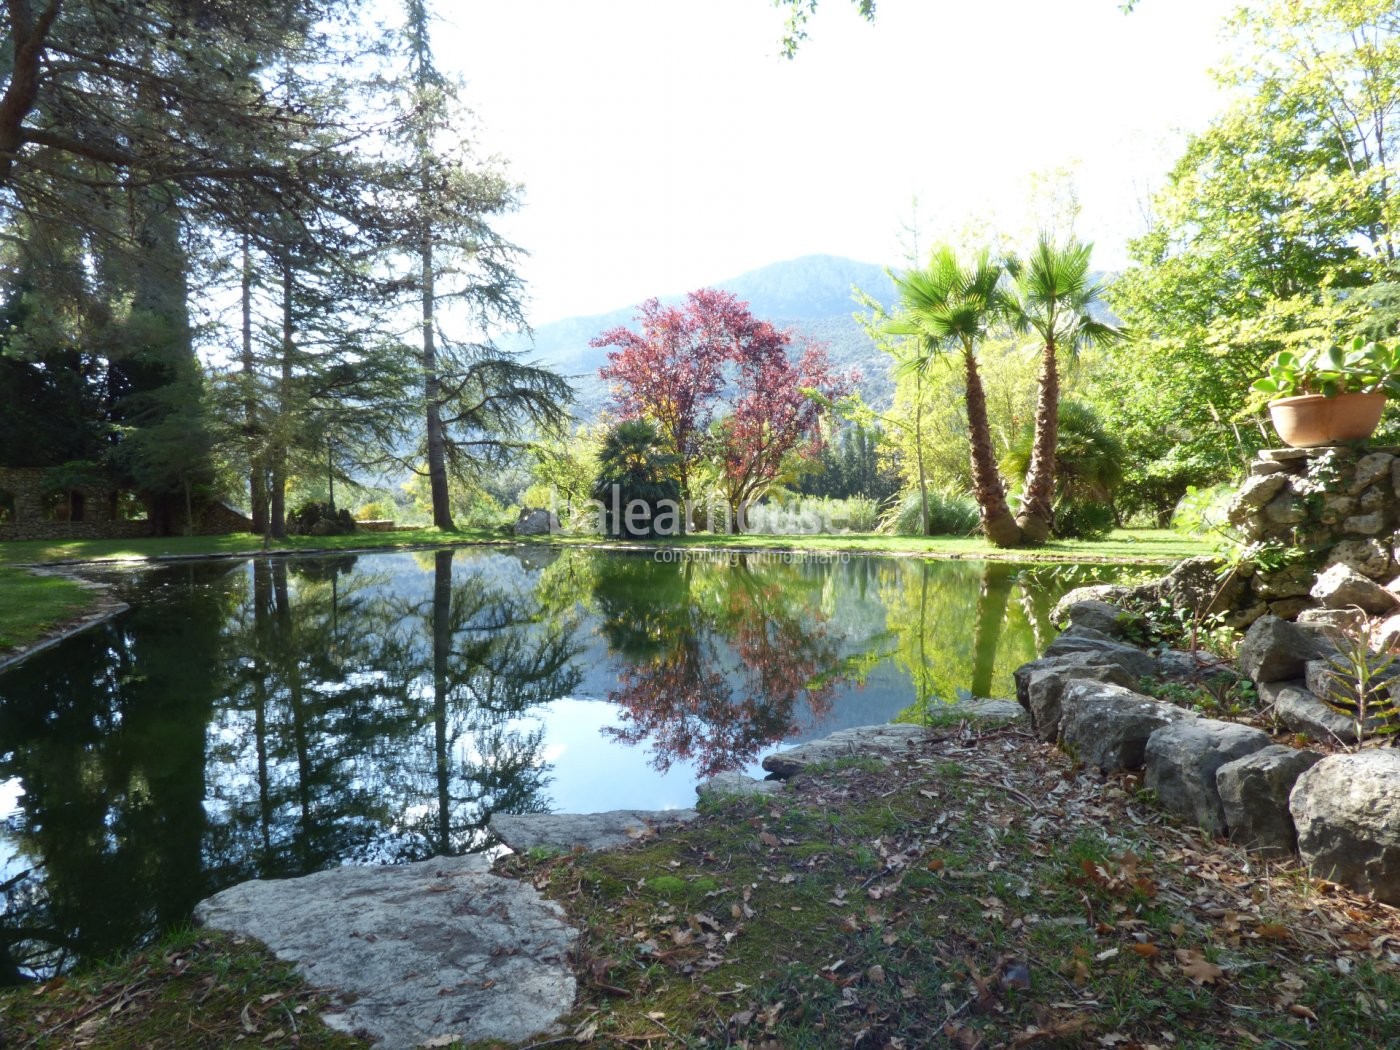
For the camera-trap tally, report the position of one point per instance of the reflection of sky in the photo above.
(12, 861)
(591, 773)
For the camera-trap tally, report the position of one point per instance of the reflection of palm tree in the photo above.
(991, 617)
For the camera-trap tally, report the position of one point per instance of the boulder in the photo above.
(1342, 587)
(1336, 624)
(1275, 650)
(1291, 581)
(1083, 640)
(1289, 608)
(1385, 635)
(1347, 811)
(589, 831)
(412, 953)
(1182, 759)
(535, 521)
(1111, 593)
(1194, 666)
(1285, 509)
(1254, 796)
(1196, 585)
(735, 783)
(1365, 524)
(880, 742)
(1302, 712)
(1041, 683)
(1107, 727)
(1369, 470)
(1096, 616)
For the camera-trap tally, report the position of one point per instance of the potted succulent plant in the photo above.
(1324, 396)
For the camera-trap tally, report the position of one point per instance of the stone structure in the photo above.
(31, 508)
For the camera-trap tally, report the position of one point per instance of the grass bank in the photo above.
(31, 606)
(1149, 546)
(981, 893)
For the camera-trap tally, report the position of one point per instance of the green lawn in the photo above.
(31, 605)
(1124, 545)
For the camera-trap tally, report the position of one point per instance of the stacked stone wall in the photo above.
(1317, 509)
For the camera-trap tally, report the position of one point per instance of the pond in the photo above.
(269, 717)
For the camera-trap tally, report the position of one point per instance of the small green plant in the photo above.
(1363, 368)
(1360, 687)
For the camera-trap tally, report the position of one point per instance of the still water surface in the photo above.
(272, 717)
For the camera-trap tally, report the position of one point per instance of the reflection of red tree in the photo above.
(684, 705)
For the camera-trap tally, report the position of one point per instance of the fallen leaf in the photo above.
(1147, 951)
(1196, 967)
(441, 1040)
(769, 839)
(876, 974)
(1299, 1010)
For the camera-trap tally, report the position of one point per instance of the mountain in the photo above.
(810, 295)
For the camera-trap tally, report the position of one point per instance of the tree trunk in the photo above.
(442, 658)
(997, 522)
(1037, 502)
(277, 517)
(432, 384)
(257, 471)
(919, 455)
(991, 618)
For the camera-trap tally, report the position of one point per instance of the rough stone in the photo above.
(1335, 508)
(1283, 455)
(1040, 685)
(1365, 524)
(1194, 666)
(1097, 616)
(1182, 759)
(1263, 467)
(535, 521)
(1195, 585)
(1370, 558)
(1254, 796)
(1340, 587)
(1082, 640)
(1335, 623)
(415, 952)
(1302, 712)
(1111, 593)
(1241, 619)
(735, 783)
(1285, 509)
(1290, 608)
(1385, 635)
(1373, 500)
(1347, 811)
(1107, 727)
(877, 742)
(1253, 494)
(1292, 581)
(1275, 650)
(1369, 470)
(590, 831)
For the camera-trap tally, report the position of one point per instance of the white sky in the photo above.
(664, 144)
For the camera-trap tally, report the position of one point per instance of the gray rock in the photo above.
(1082, 640)
(1376, 499)
(1292, 581)
(1242, 618)
(1107, 727)
(1370, 558)
(1365, 524)
(1253, 494)
(1282, 455)
(1097, 616)
(1275, 650)
(1335, 623)
(1290, 608)
(1254, 796)
(877, 742)
(1302, 712)
(1040, 685)
(1285, 509)
(1197, 586)
(1369, 470)
(535, 521)
(1341, 587)
(1347, 811)
(1335, 508)
(415, 951)
(734, 783)
(1385, 635)
(590, 831)
(1112, 593)
(1182, 759)
(1197, 666)
(1263, 468)
(1337, 680)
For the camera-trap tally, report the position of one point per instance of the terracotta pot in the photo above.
(1310, 420)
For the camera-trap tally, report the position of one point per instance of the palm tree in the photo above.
(947, 307)
(1054, 295)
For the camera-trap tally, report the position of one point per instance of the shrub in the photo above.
(809, 516)
(949, 514)
(1083, 520)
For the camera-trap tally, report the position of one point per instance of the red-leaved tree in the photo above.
(720, 383)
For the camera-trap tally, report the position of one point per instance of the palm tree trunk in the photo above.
(1037, 501)
(919, 454)
(998, 524)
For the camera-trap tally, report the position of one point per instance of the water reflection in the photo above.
(272, 717)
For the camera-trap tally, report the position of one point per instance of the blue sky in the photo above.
(664, 144)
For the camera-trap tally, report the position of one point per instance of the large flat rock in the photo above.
(877, 742)
(414, 952)
(589, 831)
